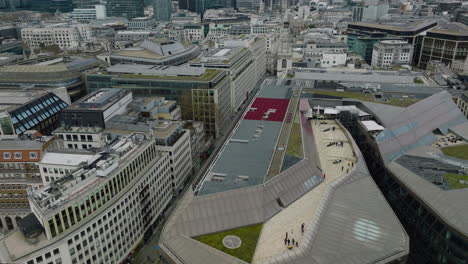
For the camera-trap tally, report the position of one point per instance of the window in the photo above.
(6, 155)
(33, 155)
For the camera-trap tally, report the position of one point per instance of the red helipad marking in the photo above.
(269, 109)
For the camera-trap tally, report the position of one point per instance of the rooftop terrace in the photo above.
(256, 134)
(96, 171)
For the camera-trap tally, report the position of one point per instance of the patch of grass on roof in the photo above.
(453, 180)
(248, 234)
(460, 151)
(295, 139)
(403, 102)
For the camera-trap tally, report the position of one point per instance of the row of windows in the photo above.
(47, 257)
(19, 165)
(112, 235)
(19, 155)
(68, 217)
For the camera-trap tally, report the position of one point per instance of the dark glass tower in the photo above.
(125, 8)
(52, 5)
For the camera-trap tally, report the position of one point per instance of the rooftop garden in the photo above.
(295, 139)
(456, 181)
(403, 102)
(460, 151)
(207, 76)
(248, 234)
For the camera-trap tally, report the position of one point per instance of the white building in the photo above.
(55, 165)
(82, 138)
(175, 141)
(257, 46)
(183, 18)
(66, 37)
(192, 33)
(99, 213)
(333, 59)
(391, 52)
(170, 138)
(131, 35)
(141, 23)
(88, 14)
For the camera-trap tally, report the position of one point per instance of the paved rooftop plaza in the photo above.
(290, 219)
(330, 191)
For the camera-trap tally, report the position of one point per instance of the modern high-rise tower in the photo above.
(125, 8)
(162, 10)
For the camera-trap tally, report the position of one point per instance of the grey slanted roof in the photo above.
(460, 130)
(384, 113)
(450, 205)
(340, 231)
(413, 126)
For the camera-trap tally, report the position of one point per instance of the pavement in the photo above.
(271, 241)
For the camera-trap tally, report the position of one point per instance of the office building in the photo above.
(362, 36)
(185, 17)
(98, 213)
(131, 35)
(13, 5)
(391, 52)
(81, 138)
(248, 5)
(55, 165)
(246, 190)
(125, 8)
(88, 14)
(64, 37)
(51, 6)
(423, 183)
(96, 108)
(162, 10)
(446, 43)
(141, 23)
(85, 3)
(257, 46)
(370, 11)
(49, 73)
(240, 63)
(19, 170)
(33, 109)
(155, 52)
(203, 94)
(170, 137)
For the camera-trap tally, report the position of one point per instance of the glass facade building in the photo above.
(201, 99)
(41, 114)
(162, 10)
(125, 8)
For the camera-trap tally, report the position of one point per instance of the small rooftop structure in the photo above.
(101, 99)
(94, 171)
(156, 52)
